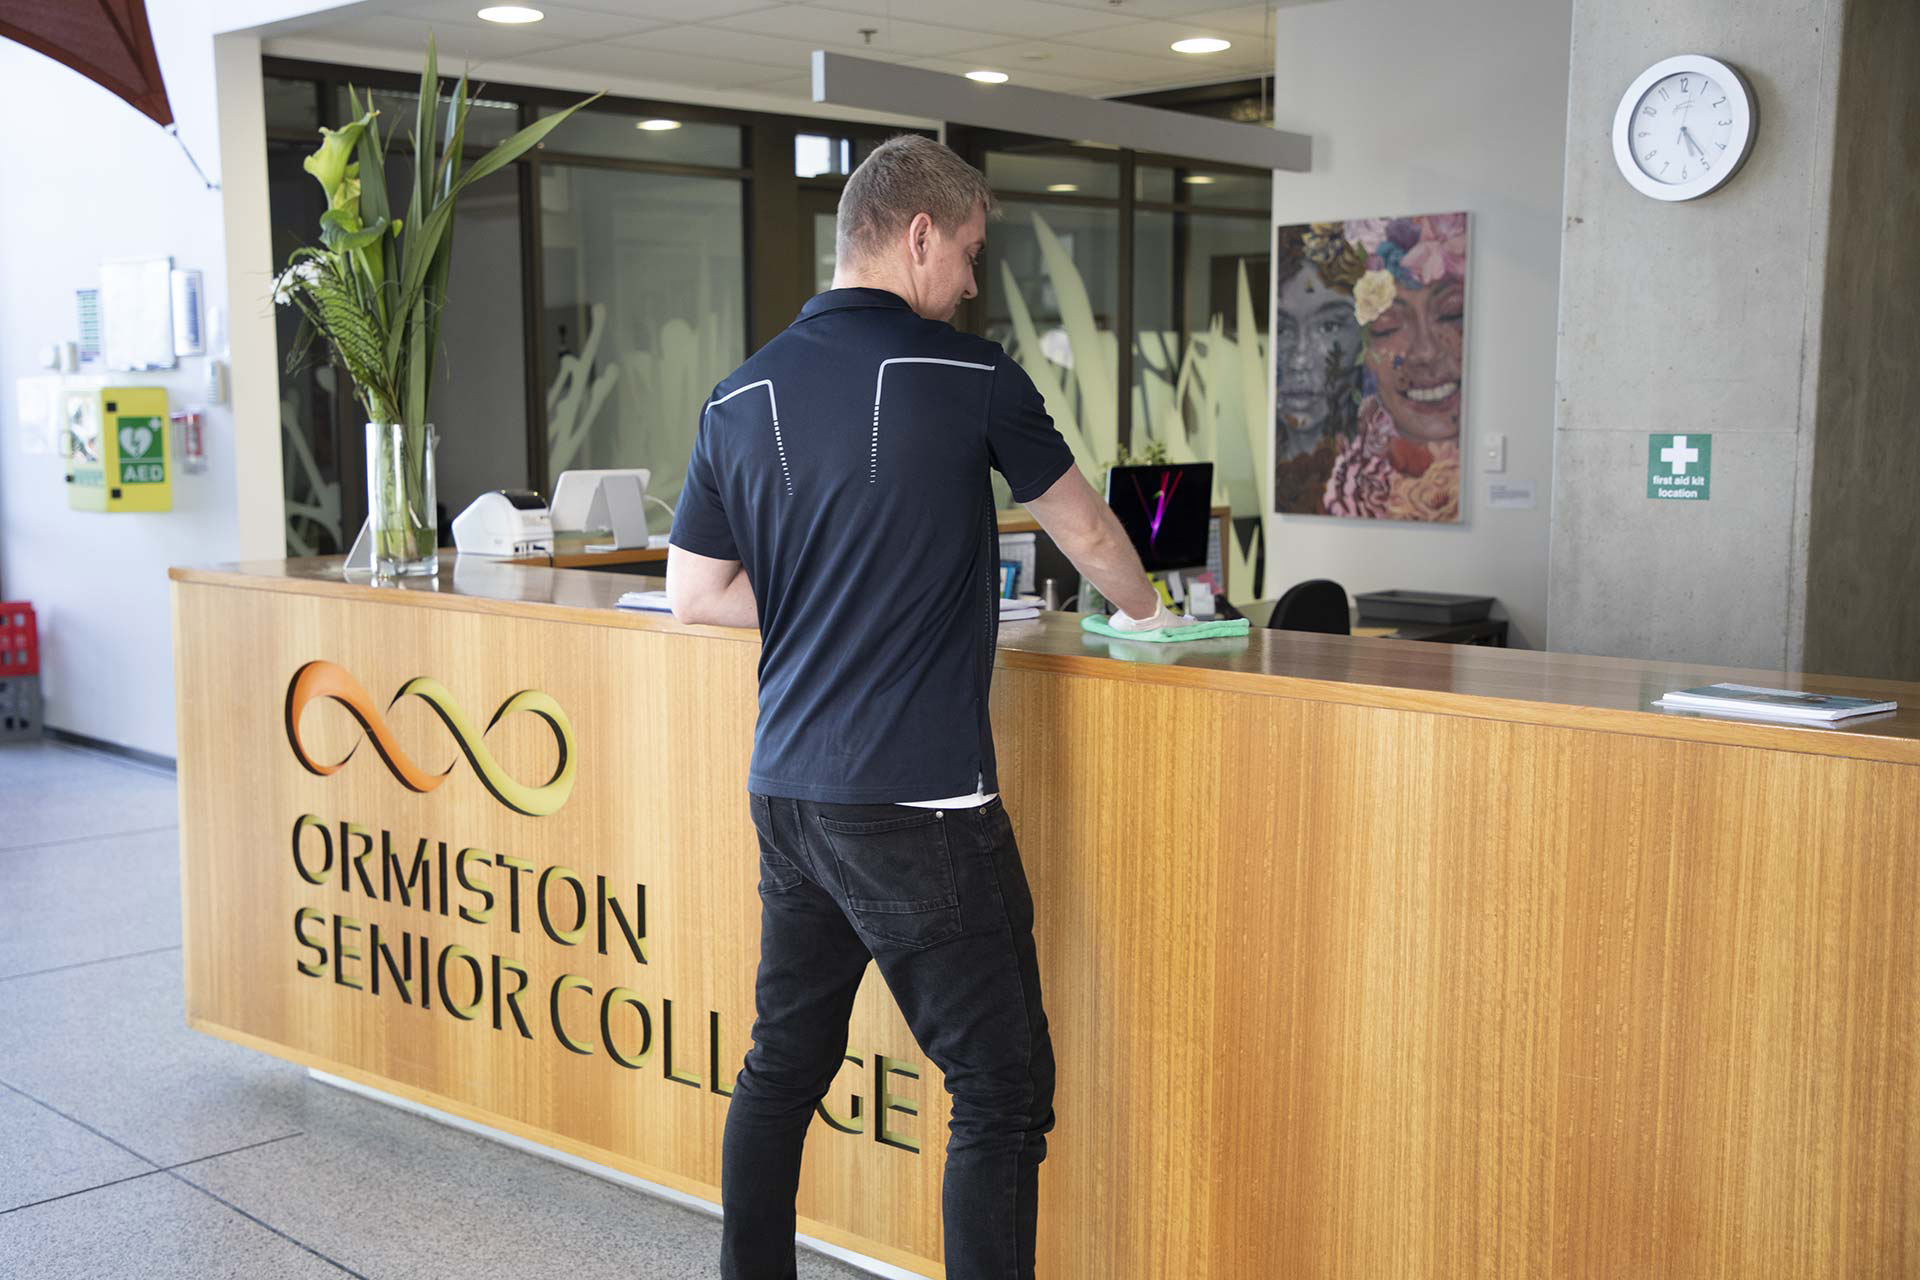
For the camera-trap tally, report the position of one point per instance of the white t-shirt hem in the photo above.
(978, 797)
(973, 801)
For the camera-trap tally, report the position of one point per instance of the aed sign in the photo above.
(143, 450)
(1679, 467)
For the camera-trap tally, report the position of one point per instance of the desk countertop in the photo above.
(1518, 685)
(570, 549)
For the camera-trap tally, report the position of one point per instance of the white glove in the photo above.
(1160, 619)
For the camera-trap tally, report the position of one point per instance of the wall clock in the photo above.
(1684, 127)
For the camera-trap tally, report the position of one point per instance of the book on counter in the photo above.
(1757, 702)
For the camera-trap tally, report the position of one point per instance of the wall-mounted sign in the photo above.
(1679, 466)
(1510, 495)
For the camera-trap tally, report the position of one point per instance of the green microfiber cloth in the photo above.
(1198, 631)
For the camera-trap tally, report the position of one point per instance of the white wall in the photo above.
(1417, 107)
(88, 178)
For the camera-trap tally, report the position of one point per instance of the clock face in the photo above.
(1682, 128)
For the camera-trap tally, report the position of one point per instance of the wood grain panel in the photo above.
(660, 800)
(1346, 979)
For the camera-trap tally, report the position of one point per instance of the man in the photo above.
(838, 497)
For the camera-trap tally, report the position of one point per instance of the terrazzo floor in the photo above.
(133, 1147)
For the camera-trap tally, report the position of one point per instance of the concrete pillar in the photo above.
(1702, 316)
(1862, 597)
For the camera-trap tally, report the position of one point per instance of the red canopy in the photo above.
(107, 41)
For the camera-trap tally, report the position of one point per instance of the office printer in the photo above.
(504, 522)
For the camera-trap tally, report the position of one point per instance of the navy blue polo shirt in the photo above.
(845, 466)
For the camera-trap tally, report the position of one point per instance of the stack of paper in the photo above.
(649, 601)
(1019, 608)
(1756, 702)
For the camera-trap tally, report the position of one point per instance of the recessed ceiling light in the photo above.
(511, 14)
(1200, 179)
(657, 126)
(1202, 44)
(988, 77)
(1063, 186)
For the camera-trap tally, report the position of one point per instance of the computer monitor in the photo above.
(1165, 510)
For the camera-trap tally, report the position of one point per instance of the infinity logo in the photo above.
(329, 680)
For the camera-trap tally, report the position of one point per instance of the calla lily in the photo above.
(346, 196)
(330, 163)
(378, 284)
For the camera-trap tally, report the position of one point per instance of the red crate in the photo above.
(19, 640)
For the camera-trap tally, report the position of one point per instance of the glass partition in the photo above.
(818, 155)
(291, 104)
(664, 137)
(1054, 170)
(1214, 186)
(489, 120)
(602, 286)
(1053, 291)
(480, 392)
(645, 281)
(1179, 372)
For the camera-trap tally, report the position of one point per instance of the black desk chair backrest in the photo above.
(1316, 605)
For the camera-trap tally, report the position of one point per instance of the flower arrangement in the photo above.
(373, 289)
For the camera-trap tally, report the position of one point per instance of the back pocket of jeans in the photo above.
(898, 876)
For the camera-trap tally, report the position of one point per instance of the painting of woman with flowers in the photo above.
(1369, 318)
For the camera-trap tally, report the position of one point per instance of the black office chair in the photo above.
(1317, 605)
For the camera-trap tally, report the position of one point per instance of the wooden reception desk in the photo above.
(1364, 958)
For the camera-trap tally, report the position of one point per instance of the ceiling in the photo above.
(1098, 48)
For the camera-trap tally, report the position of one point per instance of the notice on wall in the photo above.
(136, 309)
(1510, 495)
(1679, 466)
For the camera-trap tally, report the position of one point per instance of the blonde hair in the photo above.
(904, 177)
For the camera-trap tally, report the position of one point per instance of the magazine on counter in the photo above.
(1772, 704)
(645, 602)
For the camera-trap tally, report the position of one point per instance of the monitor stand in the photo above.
(620, 505)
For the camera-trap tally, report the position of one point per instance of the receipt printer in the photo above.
(504, 522)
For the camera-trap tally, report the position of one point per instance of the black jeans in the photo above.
(938, 899)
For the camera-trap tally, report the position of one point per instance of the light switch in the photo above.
(1493, 454)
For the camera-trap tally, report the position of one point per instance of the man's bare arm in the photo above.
(701, 589)
(1089, 534)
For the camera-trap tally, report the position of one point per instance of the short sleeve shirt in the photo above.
(846, 467)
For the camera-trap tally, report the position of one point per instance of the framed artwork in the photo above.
(1369, 323)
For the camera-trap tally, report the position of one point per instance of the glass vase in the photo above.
(405, 524)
